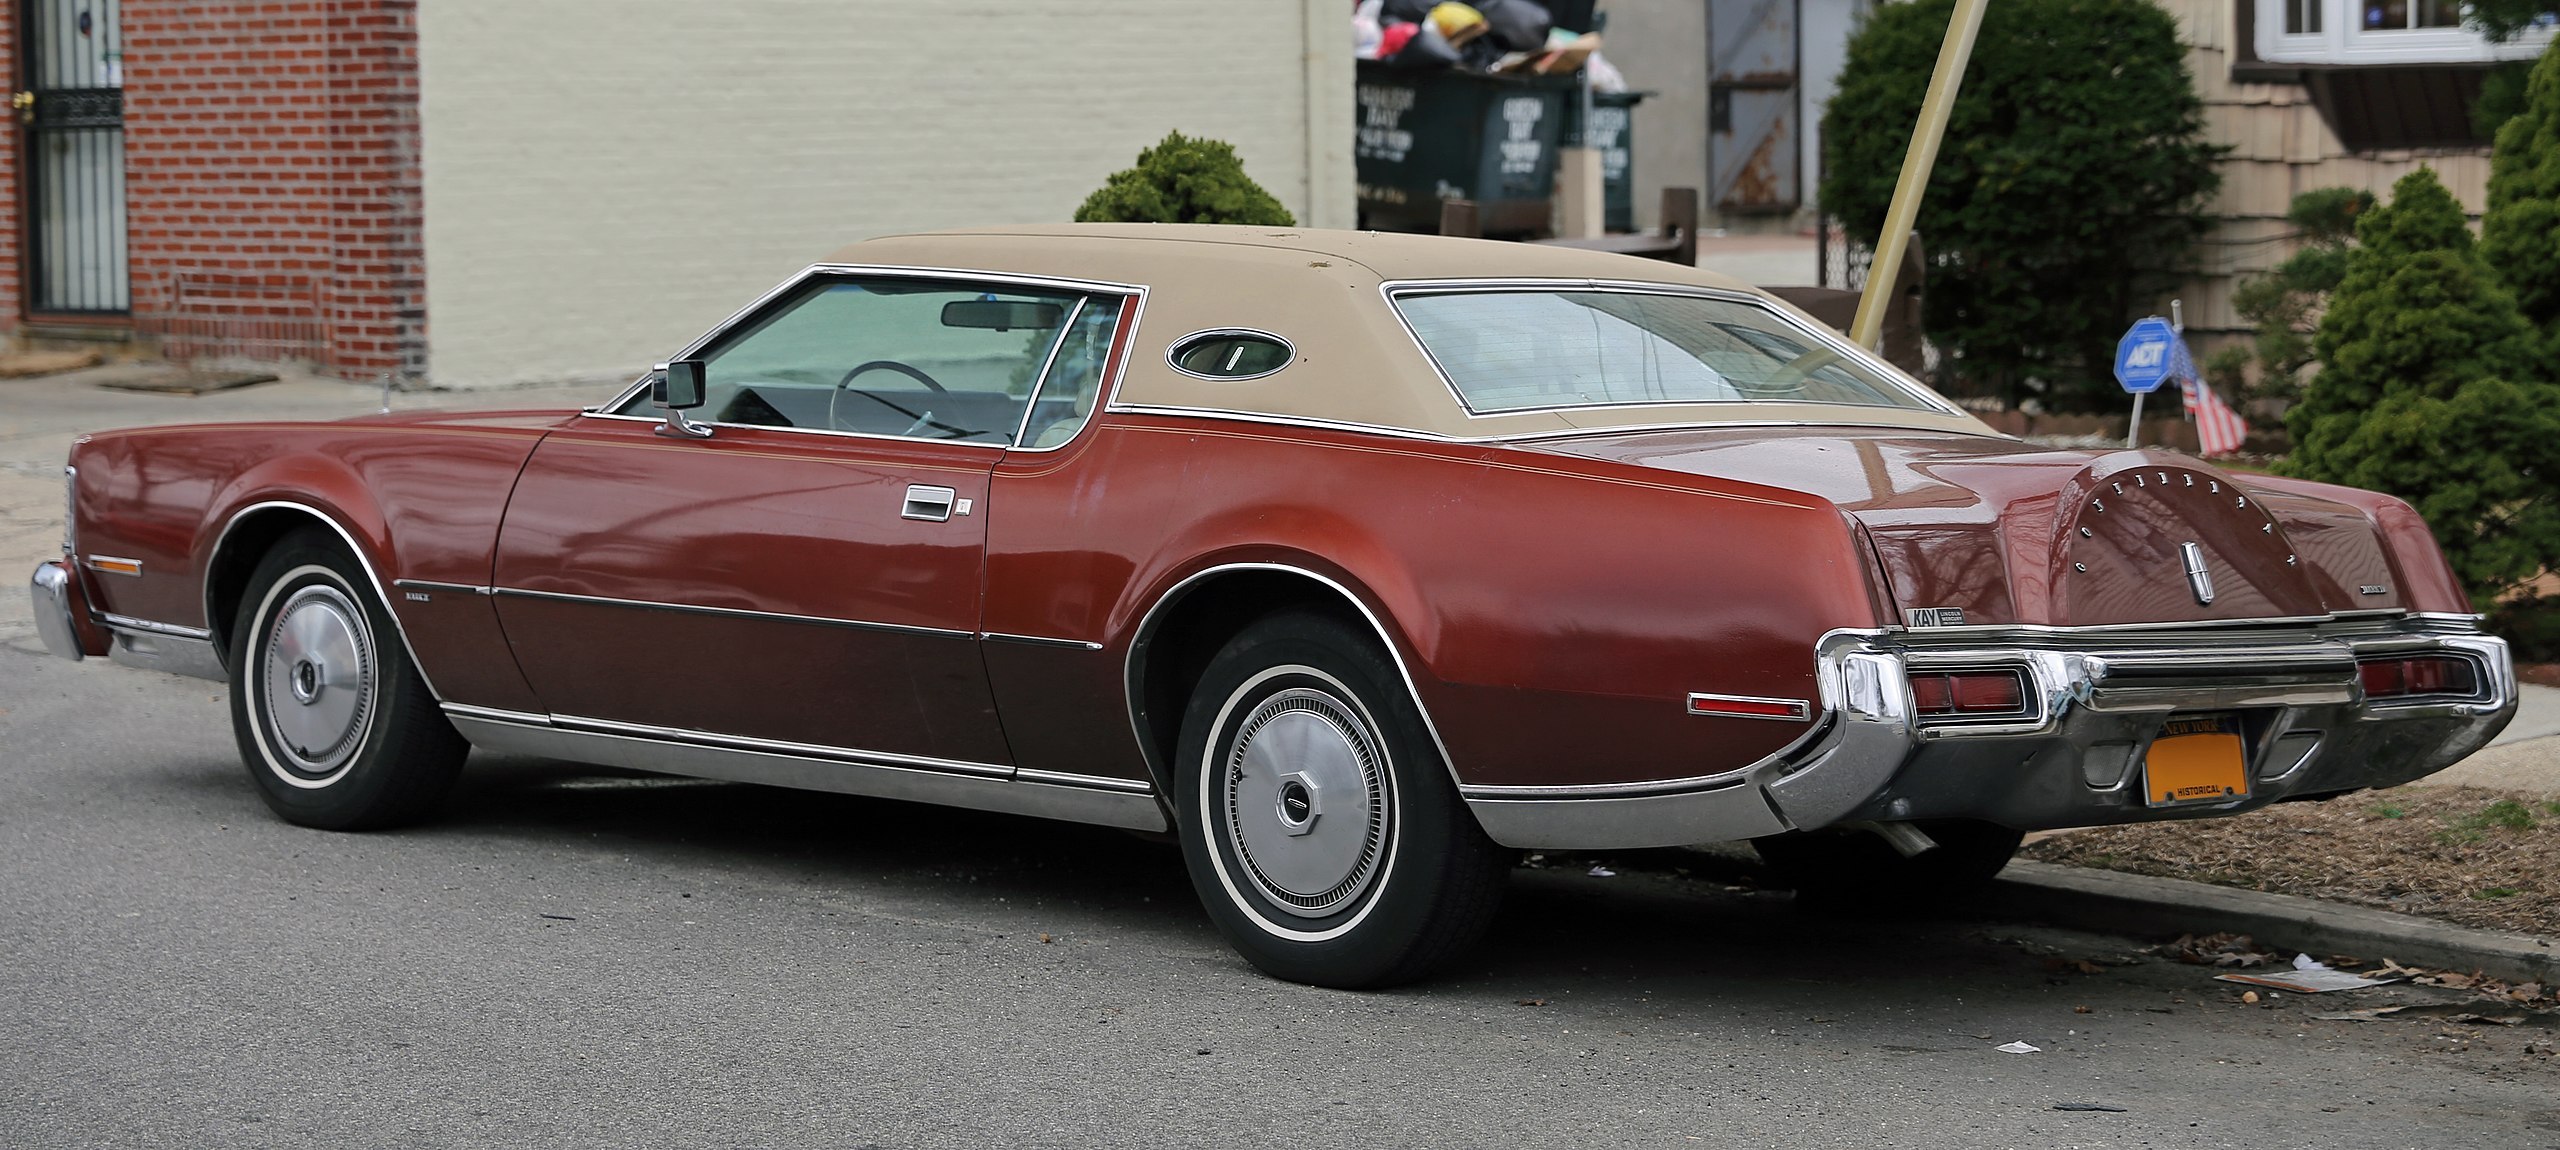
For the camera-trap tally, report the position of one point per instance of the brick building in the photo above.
(490, 192)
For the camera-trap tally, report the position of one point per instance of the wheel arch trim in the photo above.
(355, 547)
(1181, 589)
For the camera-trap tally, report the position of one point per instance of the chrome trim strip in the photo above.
(431, 585)
(1173, 352)
(495, 714)
(733, 612)
(824, 431)
(174, 654)
(148, 627)
(1146, 632)
(381, 591)
(70, 508)
(1798, 710)
(1043, 797)
(778, 746)
(1837, 345)
(1039, 641)
(113, 565)
(1111, 387)
(1092, 782)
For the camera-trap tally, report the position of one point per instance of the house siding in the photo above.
(605, 179)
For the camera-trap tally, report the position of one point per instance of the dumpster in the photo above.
(1432, 135)
(1612, 131)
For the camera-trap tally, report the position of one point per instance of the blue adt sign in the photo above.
(2146, 354)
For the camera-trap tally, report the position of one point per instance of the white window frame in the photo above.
(2342, 39)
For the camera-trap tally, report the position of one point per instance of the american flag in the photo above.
(2219, 430)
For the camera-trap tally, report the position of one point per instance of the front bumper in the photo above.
(62, 612)
(2099, 698)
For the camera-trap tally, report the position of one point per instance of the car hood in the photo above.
(1989, 530)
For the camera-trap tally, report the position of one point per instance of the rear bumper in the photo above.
(2100, 696)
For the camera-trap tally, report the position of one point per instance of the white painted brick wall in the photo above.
(604, 179)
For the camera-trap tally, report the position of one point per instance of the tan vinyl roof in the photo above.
(1319, 290)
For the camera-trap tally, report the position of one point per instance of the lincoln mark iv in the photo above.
(1355, 563)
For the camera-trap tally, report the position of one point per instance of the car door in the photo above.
(810, 572)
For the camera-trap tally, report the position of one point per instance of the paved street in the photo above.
(577, 957)
(580, 958)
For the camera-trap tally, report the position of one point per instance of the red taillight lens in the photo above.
(2424, 675)
(1971, 693)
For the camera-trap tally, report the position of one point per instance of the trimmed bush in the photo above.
(2521, 235)
(1183, 180)
(2067, 193)
(2427, 390)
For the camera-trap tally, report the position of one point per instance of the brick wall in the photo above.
(271, 160)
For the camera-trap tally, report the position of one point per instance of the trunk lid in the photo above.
(1976, 530)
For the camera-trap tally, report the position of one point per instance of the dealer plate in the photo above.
(2197, 759)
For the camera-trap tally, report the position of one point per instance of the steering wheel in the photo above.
(846, 384)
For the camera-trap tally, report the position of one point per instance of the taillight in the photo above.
(2423, 675)
(1969, 693)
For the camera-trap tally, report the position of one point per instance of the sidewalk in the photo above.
(2524, 757)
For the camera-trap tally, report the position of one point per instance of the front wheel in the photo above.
(1319, 825)
(334, 721)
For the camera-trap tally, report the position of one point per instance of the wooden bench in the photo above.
(1677, 241)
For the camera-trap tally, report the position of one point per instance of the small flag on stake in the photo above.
(2219, 430)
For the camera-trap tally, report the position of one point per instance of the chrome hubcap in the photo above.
(317, 679)
(1304, 807)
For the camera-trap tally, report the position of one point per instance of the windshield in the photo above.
(1510, 350)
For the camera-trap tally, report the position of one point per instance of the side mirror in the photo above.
(678, 386)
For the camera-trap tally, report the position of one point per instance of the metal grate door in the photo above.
(73, 116)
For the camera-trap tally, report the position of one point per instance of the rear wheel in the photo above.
(1844, 865)
(334, 722)
(1317, 820)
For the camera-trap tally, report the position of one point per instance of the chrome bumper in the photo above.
(2101, 695)
(56, 598)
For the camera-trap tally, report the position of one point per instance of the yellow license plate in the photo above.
(2196, 759)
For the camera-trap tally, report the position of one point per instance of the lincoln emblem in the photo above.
(2197, 576)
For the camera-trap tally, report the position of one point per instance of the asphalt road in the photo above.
(574, 957)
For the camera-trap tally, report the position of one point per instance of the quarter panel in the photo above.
(1556, 612)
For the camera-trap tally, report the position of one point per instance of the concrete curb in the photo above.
(2117, 903)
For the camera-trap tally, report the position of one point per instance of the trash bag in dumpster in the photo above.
(1426, 48)
(1517, 25)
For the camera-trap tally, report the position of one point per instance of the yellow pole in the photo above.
(1868, 327)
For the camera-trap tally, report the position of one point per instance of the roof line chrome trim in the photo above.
(1145, 632)
(1283, 421)
(1040, 641)
(1173, 350)
(381, 590)
(1390, 289)
(147, 626)
(733, 612)
(1040, 382)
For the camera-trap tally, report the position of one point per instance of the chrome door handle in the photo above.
(931, 504)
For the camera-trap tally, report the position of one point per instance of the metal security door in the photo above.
(1752, 106)
(73, 116)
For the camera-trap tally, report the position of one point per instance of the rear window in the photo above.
(1526, 350)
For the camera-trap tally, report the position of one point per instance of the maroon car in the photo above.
(1356, 562)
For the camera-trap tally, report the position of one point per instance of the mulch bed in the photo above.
(2477, 857)
(2539, 674)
